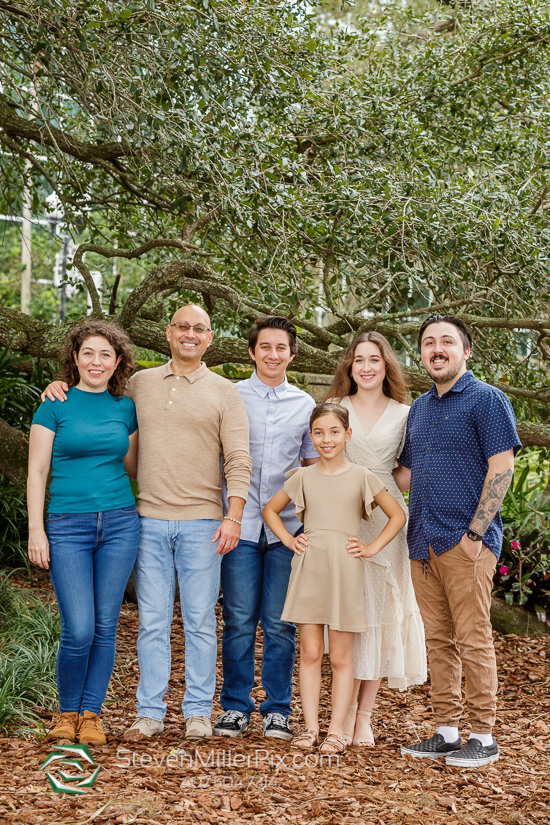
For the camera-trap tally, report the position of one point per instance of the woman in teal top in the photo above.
(91, 540)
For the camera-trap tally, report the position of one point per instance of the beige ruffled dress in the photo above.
(326, 584)
(393, 645)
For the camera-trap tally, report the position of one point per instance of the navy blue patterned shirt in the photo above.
(448, 443)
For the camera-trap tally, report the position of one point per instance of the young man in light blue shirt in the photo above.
(254, 576)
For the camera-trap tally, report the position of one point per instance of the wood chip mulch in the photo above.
(253, 779)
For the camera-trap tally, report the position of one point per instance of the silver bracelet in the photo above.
(228, 518)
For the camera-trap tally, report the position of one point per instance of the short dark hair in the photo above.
(273, 322)
(328, 408)
(465, 333)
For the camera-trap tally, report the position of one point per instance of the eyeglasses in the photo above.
(200, 329)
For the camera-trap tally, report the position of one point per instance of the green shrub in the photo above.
(18, 396)
(523, 572)
(29, 637)
(21, 382)
(14, 531)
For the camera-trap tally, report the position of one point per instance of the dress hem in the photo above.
(323, 622)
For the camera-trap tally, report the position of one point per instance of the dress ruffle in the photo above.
(294, 488)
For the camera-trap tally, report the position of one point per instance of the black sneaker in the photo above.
(433, 748)
(276, 725)
(473, 755)
(230, 723)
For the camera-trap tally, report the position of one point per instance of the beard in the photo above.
(443, 377)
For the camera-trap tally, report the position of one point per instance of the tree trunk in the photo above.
(30, 336)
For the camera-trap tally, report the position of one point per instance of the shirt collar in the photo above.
(262, 389)
(464, 381)
(200, 372)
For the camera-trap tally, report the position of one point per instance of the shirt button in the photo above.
(269, 423)
(177, 378)
(429, 448)
(263, 486)
(173, 389)
(169, 402)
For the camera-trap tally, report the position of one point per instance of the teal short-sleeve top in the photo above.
(92, 433)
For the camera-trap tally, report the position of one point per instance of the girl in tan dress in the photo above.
(326, 582)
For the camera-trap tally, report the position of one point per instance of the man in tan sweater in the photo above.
(188, 418)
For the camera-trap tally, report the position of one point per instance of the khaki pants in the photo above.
(455, 604)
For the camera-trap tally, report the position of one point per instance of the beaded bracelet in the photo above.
(228, 518)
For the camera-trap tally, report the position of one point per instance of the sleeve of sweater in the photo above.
(234, 442)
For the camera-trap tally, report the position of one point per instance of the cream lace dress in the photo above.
(394, 645)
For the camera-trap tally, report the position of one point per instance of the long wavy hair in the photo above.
(394, 385)
(118, 340)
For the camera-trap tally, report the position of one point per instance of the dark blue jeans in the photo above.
(254, 579)
(91, 558)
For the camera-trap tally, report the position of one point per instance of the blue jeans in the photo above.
(184, 548)
(254, 582)
(91, 558)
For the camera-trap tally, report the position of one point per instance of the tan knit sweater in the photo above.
(186, 423)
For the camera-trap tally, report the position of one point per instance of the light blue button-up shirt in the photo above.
(279, 438)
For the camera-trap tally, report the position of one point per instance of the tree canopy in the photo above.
(351, 174)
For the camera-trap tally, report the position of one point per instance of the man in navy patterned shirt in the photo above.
(459, 460)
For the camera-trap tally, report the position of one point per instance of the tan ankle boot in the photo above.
(90, 731)
(65, 727)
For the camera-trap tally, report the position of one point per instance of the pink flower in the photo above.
(503, 570)
(516, 545)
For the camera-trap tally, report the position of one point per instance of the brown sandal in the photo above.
(308, 736)
(336, 742)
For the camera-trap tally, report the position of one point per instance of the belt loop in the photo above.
(425, 568)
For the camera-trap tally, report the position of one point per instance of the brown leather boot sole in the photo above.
(90, 731)
(65, 727)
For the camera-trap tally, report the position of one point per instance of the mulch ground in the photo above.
(167, 779)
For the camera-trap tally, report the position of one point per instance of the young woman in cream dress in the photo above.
(369, 383)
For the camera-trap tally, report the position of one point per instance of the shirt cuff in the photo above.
(239, 490)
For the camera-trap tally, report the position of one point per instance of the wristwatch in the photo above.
(471, 534)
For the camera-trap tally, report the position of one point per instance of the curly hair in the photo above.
(394, 385)
(119, 342)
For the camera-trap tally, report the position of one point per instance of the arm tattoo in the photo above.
(492, 496)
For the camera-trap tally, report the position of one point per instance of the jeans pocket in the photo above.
(52, 517)
(130, 509)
